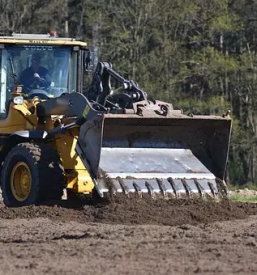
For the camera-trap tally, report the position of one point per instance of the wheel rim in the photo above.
(20, 181)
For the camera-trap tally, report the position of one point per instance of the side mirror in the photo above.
(87, 61)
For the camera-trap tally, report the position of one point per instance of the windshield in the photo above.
(43, 69)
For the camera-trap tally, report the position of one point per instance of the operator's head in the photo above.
(36, 59)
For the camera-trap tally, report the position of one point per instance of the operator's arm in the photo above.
(43, 78)
(44, 81)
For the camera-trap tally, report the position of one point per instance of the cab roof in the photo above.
(41, 39)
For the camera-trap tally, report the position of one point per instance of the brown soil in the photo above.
(129, 237)
(135, 211)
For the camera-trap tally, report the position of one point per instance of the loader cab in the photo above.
(63, 58)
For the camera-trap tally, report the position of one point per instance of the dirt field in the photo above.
(132, 237)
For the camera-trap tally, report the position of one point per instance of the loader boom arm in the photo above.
(100, 89)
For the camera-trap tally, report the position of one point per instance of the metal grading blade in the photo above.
(154, 171)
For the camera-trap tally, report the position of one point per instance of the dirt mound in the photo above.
(130, 211)
(174, 212)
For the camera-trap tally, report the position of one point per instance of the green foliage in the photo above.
(225, 23)
(211, 105)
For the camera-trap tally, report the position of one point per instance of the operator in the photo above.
(36, 76)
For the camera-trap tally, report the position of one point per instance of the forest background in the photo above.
(200, 55)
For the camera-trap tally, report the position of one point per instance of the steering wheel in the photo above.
(39, 93)
(37, 84)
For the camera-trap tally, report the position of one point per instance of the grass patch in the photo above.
(241, 198)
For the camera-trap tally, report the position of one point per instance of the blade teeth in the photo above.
(112, 188)
(123, 186)
(212, 189)
(199, 188)
(187, 188)
(138, 189)
(162, 187)
(150, 189)
(174, 187)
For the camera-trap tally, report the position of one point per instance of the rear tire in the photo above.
(31, 173)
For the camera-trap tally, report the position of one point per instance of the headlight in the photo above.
(18, 100)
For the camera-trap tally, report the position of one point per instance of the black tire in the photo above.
(46, 174)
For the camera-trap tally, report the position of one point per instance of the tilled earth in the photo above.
(129, 237)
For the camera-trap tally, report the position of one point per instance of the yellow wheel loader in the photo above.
(57, 136)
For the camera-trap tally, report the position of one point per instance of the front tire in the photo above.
(31, 173)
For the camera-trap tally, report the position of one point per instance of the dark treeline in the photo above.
(199, 55)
